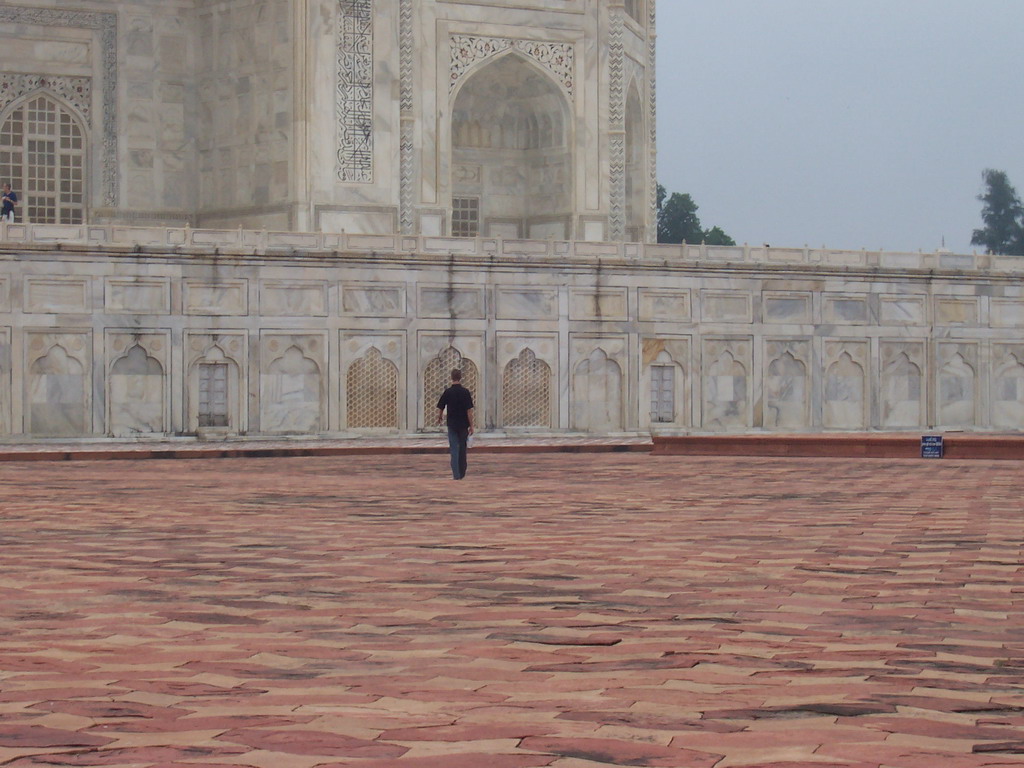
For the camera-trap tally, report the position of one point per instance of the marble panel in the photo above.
(787, 384)
(956, 310)
(782, 307)
(449, 245)
(458, 301)
(956, 396)
(726, 367)
(903, 310)
(355, 344)
(292, 383)
(839, 309)
(358, 222)
(786, 255)
(667, 306)
(610, 304)
(222, 298)
(726, 307)
(54, 295)
(5, 293)
(144, 296)
(1008, 386)
(293, 298)
(902, 395)
(516, 303)
(846, 399)
(840, 258)
(373, 300)
(511, 345)
(598, 385)
(1007, 313)
(383, 243)
(137, 383)
(57, 391)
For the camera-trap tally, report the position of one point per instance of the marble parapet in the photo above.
(156, 240)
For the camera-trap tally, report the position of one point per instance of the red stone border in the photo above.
(894, 446)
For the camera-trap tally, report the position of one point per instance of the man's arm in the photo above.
(440, 414)
(469, 416)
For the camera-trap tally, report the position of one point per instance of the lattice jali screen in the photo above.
(526, 392)
(373, 393)
(42, 154)
(437, 377)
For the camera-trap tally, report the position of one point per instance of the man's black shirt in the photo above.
(458, 401)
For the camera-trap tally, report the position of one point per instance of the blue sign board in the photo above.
(931, 446)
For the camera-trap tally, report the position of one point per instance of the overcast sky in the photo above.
(845, 123)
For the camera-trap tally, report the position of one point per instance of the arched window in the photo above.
(42, 155)
(373, 392)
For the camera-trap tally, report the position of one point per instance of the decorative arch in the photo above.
(726, 397)
(786, 390)
(57, 397)
(214, 391)
(597, 394)
(44, 155)
(136, 394)
(526, 392)
(663, 387)
(956, 392)
(511, 150)
(1008, 392)
(902, 389)
(372, 392)
(291, 393)
(437, 376)
(844, 401)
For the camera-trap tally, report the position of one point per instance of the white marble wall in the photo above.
(100, 337)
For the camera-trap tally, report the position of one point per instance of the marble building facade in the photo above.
(114, 331)
(524, 119)
(267, 217)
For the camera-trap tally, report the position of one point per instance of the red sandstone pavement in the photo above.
(564, 610)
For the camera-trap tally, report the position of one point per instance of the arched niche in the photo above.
(512, 165)
(636, 190)
(135, 394)
(526, 392)
(437, 377)
(372, 392)
(597, 394)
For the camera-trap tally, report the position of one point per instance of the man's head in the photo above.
(456, 375)
(7, 187)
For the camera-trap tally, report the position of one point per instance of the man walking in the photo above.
(458, 402)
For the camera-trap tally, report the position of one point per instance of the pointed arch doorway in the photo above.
(512, 165)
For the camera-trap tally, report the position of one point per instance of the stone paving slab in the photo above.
(550, 611)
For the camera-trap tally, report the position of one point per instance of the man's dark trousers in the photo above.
(458, 440)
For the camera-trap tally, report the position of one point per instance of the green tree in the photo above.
(716, 236)
(1002, 214)
(678, 221)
